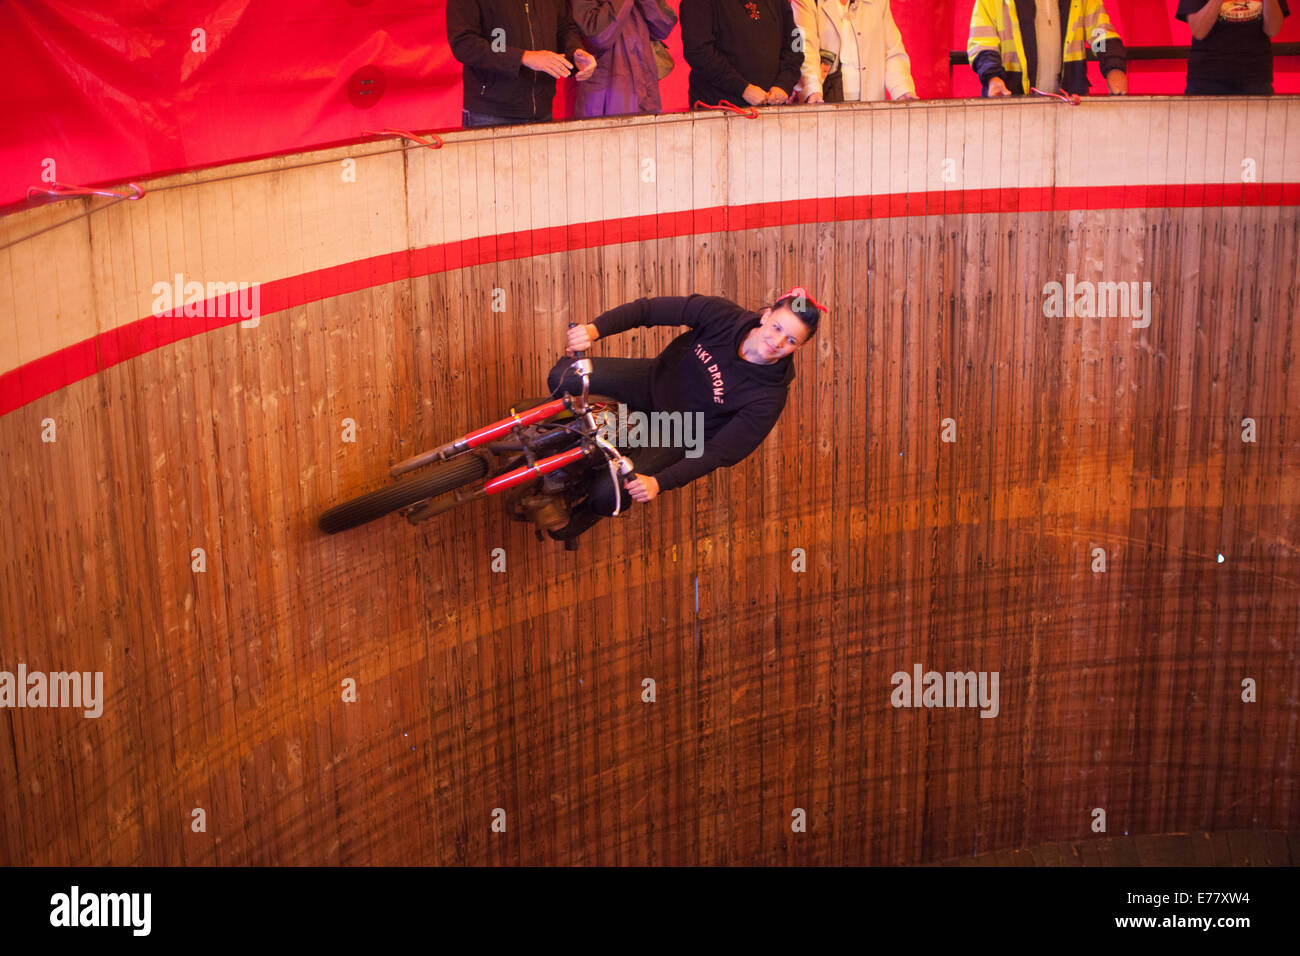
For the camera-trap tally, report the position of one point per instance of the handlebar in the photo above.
(620, 467)
(583, 365)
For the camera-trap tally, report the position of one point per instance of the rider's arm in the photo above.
(732, 444)
(693, 310)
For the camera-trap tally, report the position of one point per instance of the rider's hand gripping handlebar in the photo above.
(618, 463)
(583, 368)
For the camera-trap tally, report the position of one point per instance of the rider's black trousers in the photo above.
(627, 381)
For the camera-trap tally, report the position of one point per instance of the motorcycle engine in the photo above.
(548, 512)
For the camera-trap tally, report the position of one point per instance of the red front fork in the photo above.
(526, 473)
(481, 437)
(496, 430)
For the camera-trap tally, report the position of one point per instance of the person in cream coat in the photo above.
(852, 51)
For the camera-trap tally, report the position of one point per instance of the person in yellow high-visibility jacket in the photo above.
(1016, 45)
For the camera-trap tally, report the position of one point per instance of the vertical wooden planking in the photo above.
(516, 180)
(133, 529)
(773, 694)
(558, 295)
(467, 769)
(1211, 424)
(836, 340)
(1086, 259)
(816, 362)
(427, 229)
(352, 468)
(885, 345)
(955, 338)
(1270, 395)
(871, 467)
(1055, 256)
(1007, 548)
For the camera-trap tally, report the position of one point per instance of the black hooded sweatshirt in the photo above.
(703, 371)
(730, 44)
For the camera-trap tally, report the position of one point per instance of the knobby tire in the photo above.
(438, 480)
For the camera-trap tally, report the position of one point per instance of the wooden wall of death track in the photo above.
(523, 690)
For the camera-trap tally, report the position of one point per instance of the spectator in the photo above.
(1232, 50)
(1015, 45)
(505, 82)
(852, 51)
(620, 32)
(740, 51)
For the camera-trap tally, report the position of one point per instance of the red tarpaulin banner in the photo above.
(107, 91)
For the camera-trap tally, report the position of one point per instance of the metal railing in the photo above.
(958, 57)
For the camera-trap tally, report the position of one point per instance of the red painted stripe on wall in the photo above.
(48, 374)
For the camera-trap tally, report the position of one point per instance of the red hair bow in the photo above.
(802, 293)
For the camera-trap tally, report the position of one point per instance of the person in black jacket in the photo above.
(740, 50)
(1232, 45)
(513, 53)
(733, 368)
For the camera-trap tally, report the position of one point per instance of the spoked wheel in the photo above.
(437, 480)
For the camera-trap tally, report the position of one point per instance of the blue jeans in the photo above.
(470, 120)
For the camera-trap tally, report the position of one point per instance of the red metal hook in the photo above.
(434, 143)
(60, 191)
(1071, 98)
(730, 107)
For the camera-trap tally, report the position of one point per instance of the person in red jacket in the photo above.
(733, 368)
